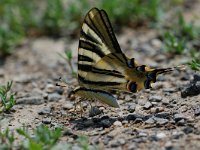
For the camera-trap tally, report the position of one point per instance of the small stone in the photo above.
(33, 100)
(54, 97)
(50, 88)
(132, 117)
(165, 101)
(161, 135)
(197, 112)
(192, 90)
(44, 111)
(181, 122)
(117, 123)
(105, 123)
(138, 120)
(148, 105)
(142, 134)
(150, 121)
(156, 109)
(161, 121)
(177, 134)
(188, 130)
(178, 117)
(121, 141)
(124, 122)
(45, 95)
(169, 90)
(94, 111)
(132, 146)
(68, 106)
(131, 108)
(196, 78)
(162, 115)
(156, 43)
(46, 120)
(155, 98)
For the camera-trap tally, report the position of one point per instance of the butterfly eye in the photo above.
(131, 63)
(132, 86)
(141, 68)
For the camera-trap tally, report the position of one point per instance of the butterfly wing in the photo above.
(97, 40)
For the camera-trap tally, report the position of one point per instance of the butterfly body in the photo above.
(103, 67)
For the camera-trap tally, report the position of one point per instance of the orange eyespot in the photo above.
(132, 86)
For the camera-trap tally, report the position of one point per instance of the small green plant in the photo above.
(68, 57)
(173, 44)
(7, 100)
(83, 142)
(195, 62)
(54, 19)
(186, 30)
(6, 139)
(42, 138)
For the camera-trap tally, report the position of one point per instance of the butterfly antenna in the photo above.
(164, 70)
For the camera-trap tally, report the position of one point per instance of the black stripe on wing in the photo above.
(99, 22)
(85, 58)
(98, 83)
(110, 31)
(88, 37)
(86, 45)
(89, 68)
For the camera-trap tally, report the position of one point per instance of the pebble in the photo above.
(188, 130)
(150, 121)
(156, 109)
(148, 105)
(68, 106)
(163, 115)
(50, 88)
(132, 146)
(132, 117)
(105, 123)
(117, 123)
(196, 78)
(165, 101)
(46, 120)
(192, 90)
(131, 108)
(44, 111)
(155, 98)
(161, 121)
(169, 90)
(33, 100)
(181, 122)
(142, 134)
(161, 135)
(138, 120)
(94, 111)
(54, 97)
(178, 117)
(156, 43)
(197, 112)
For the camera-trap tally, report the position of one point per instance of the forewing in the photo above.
(97, 40)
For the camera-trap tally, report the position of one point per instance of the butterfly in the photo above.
(103, 67)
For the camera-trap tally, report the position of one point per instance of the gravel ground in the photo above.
(166, 117)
